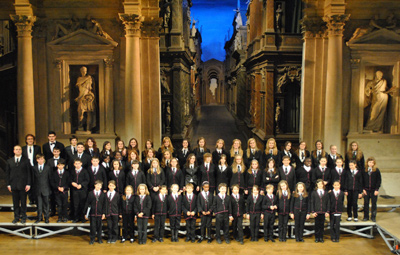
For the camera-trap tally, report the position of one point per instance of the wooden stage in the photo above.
(369, 237)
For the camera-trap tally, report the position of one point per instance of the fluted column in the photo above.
(334, 80)
(109, 97)
(133, 91)
(25, 95)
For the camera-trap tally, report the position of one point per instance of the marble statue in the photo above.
(361, 31)
(166, 10)
(66, 27)
(277, 117)
(85, 101)
(168, 116)
(278, 18)
(164, 84)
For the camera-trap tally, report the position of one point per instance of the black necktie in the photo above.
(302, 155)
(40, 168)
(286, 171)
(109, 196)
(17, 161)
(30, 149)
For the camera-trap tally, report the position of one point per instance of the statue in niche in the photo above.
(376, 96)
(166, 12)
(277, 118)
(85, 101)
(164, 84)
(278, 18)
(167, 116)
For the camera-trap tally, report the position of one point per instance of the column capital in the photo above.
(313, 27)
(151, 28)
(109, 62)
(24, 24)
(335, 24)
(132, 22)
(355, 63)
(58, 63)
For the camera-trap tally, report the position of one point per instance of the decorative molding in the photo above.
(335, 24)
(132, 22)
(355, 62)
(313, 27)
(109, 62)
(289, 73)
(151, 28)
(24, 24)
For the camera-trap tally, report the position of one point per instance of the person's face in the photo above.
(336, 185)
(167, 155)
(17, 151)
(175, 188)
(223, 161)
(300, 188)
(56, 153)
(192, 159)
(73, 142)
(108, 146)
(370, 163)
(238, 161)
(307, 162)
(270, 190)
(29, 140)
(322, 162)
(207, 160)
(339, 163)
(90, 143)
(319, 146)
(163, 191)
(189, 190)
(206, 187)
(222, 190)
(354, 146)
(135, 166)
(154, 164)
(95, 162)
(129, 191)
(352, 166)
(167, 143)
(116, 165)
(333, 150)
(51, 137)
(111, 186)
(236, 145)
(235, 190)
(286, 161)
(252, 144)
(255, 191)
(150, 154)
(288, 147)
(40, 161)
(118, 156)
(185, 144)
(271, 144)
(302, 146)
(254, 165)
(107, 159)
(133, 143)
(80, 148)
(120, 145)
(220, 145)
(148, 145)
(174, 163)
(201, 143)
(83, 71)
(283, 186)
(271, 165)
(320, 185)
(133, 155)
(78, 165)
(142, 190)
(60, 166)
(98, 186)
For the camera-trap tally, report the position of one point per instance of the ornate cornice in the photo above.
(313, 27)
(132, 23)
(335, 24)
(24, 24)
(151, 28)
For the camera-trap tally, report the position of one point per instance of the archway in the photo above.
(213, 89)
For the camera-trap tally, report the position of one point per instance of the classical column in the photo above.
(109, 97)
(270, 17)
(334, 80)
(25, 95)
(133, 90)
(356, 117)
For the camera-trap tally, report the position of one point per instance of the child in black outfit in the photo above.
(223, 213)
(300, 210)
(205, 203)
(353, 190)
(372, 183)
(160, 209)
(336, 198)
(284, 197)
(127, 214)
(112, 212)
(269, 207)
(319, 209)
(175, 211)
(189, 208)
(95, 209)
(142, 210)
(254, 209)
(238, 210)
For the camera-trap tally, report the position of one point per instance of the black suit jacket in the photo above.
(36, 150)
(258, 155)
(217, 156)
(85, 158)
(144, 207)
(97, 204)
(82, 179)
(189, 206)
(207, 175)
(49, 154)
(51, 163)
(42, 180)
(290, 178)
(254, 208)
(238, 206)
(18, 176)
(336, 204)
(63, 181)
(134, 181)
(182, 157)
(268, 202)
(205, 204)
(100, 175)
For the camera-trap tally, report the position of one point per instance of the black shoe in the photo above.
(91, 242)
(317, 240)
(154, 240)
(373, 219)
(301, 240)
(297, 240)
(161, 240)
(200, 240)
(122, 240)
(321, 240)
(83, 221)
(227, 241)
(365, 219)
(237, 239)
(74, 221)
(23, 221)
(219, 240)
(187, 239)
(59, 220)
(193, 240)
(272, 240)
(209, 240)
(46, 221)
(280, 240)
(37, 221)
(284, 239)
(241, 242)
(266, 240)
(65, 220)
(132, 240)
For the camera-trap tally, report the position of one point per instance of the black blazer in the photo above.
(240, 179)
(252, 180)
(205, 204)
(300, 204)
(146, 165)
(277, 158)
(254, 207)
(155, 179)
(189, 206)
(191, 175)
(305, 177)
(177, 178)
(160, 207)
(86, 161)
(325, 176)
(336, 203)
(208, 175)
(120, 181)
(238, 206)
(332, 163)
(174, 206)
(100, 175)
(18, 176)
(134, 181)
(268, 202)
(354, 183)
(52, 163)
(258, 155)
(127, 205)
(144, 207)
(270, 178)
(292, 156)
(199, 155)
(222, 206)
(372, 181)
(283, 204)
(315, 159)
(42, 181)
(360, 163)
(94, 153)
(82, 178)
(113, 206)
(63, 181)
(36, 150)
(290, 178)
(97, 204)
(49, 154)
(223, 176)
(217, 156)
(299, 159)
(69, 156)
(182, 157)
(335, 176)
(319, 204)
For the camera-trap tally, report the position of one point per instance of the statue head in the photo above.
(83, 70)
(378, 75)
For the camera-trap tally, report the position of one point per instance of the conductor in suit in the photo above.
(48, 147)
(41, 174)
(29, 151)
(18, 180)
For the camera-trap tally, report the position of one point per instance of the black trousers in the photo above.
(79, 199)
(237, 227)
(335, 226)
(62, 204)
(255, 224)
(206, 225)
(175, 222)
(112, 225)
(319, 225)
(374, 199)
(222, 222)
(283, 225)
(142, 228)
(128, 225)
(159, 226)
(42, 206)
(52, 203)
(95, 227)
(191, 228)
(299, 220)
(269, 220)
(19, 203)
(352, 206)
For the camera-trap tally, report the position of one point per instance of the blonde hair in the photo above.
(280, 189)
(248, 146)
(127, 187)
(223, 143)
(274, 150)
(232, 151)
(150, 171)
(235, 165)
(296, 192)
(366, 164)
(146, 192)
(249, 171)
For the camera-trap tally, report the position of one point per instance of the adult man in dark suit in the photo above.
(29, 151)
(18, 180)
(41, 174)
(48, 147)
(70, 150)
(80, 154)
